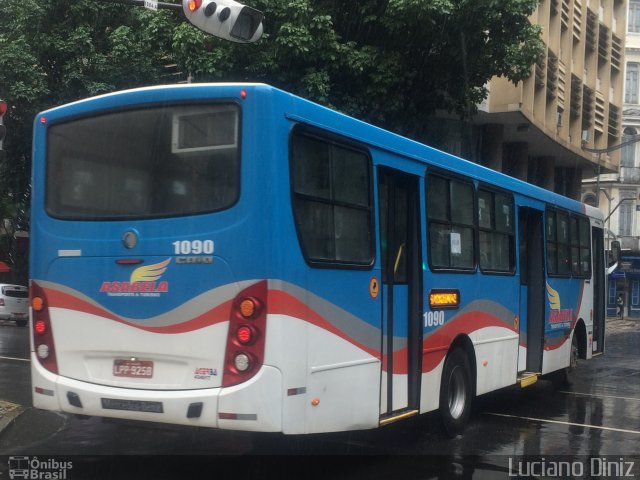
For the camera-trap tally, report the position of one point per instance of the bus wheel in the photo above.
(455, 393)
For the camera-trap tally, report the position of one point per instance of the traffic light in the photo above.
(225, 19)
(3, 129)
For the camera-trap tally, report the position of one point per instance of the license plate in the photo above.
(132, 405)
(133, 368)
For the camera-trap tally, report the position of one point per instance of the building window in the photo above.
(628, 152)
(332, 200)
(631, 83)
(625, 219)
(451, 223)
(634, 16)
(590, 199)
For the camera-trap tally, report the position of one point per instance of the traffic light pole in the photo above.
(226, 19)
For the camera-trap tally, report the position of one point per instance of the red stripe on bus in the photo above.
(218, 314)
(283, 303)
(436, 346)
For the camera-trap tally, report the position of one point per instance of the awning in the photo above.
(4, 268)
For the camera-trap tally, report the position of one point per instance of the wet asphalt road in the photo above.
(599, 416)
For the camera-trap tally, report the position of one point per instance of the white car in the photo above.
(14, 303)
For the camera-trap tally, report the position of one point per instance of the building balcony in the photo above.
(630, 175)
(629, 243)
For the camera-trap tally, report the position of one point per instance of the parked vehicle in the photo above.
(14, 303)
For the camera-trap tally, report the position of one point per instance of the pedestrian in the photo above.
(620, 303)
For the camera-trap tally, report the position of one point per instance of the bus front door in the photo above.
(532, 289)
(399, 213)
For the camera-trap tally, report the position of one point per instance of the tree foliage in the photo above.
(390, 62)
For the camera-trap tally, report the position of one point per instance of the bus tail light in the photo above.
(244, 334)
(245, 341)
(42, 334)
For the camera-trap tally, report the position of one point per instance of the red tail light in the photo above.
(245, 335)
(42, 335)
(40, 327)
(1, 302)
(245, 342)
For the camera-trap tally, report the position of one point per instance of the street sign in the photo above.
(151, 4)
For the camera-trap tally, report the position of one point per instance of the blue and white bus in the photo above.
(233, 256)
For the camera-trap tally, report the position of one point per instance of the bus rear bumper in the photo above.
(255, 405)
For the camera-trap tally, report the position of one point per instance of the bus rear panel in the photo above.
(232, 256)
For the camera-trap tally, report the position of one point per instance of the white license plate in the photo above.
(133, 368)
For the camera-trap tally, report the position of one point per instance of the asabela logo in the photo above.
(144, 282)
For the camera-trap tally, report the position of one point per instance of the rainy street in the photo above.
(597, 422)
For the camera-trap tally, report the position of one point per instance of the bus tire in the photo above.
(455, 392)
(564, 378)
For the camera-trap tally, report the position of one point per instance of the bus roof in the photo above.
(306, 111)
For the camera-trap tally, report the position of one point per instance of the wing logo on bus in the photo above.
(144, 282)
(558, 317)
(554, 298)
(149, 273)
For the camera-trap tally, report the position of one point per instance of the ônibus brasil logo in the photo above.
(144, 282)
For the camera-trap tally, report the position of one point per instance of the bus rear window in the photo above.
(145, 163)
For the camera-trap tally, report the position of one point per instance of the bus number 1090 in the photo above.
(434, 319)
(193, 247)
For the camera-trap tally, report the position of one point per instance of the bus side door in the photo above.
(399, 204)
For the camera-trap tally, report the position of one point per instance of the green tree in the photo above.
(57, 51)
(389, 62)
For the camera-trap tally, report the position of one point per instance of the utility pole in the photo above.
(600, 151)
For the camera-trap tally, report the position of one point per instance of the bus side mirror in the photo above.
(615, 251)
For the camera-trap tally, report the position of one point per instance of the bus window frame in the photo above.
(347, 143)
(144, 106)
(570, 215)
(513, 236)
(451, 176)
(581, 218)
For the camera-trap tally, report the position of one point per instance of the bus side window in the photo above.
(585, 247)
(451, 227)
(552, 253)
(332, 200)
(497, 235)
(562, 250)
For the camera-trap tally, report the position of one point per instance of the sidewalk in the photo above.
(624, 323)
(8, 413)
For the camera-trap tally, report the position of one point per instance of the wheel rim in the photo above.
(457, 392)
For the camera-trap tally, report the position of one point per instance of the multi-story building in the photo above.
(538, 129)
(618, 194)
